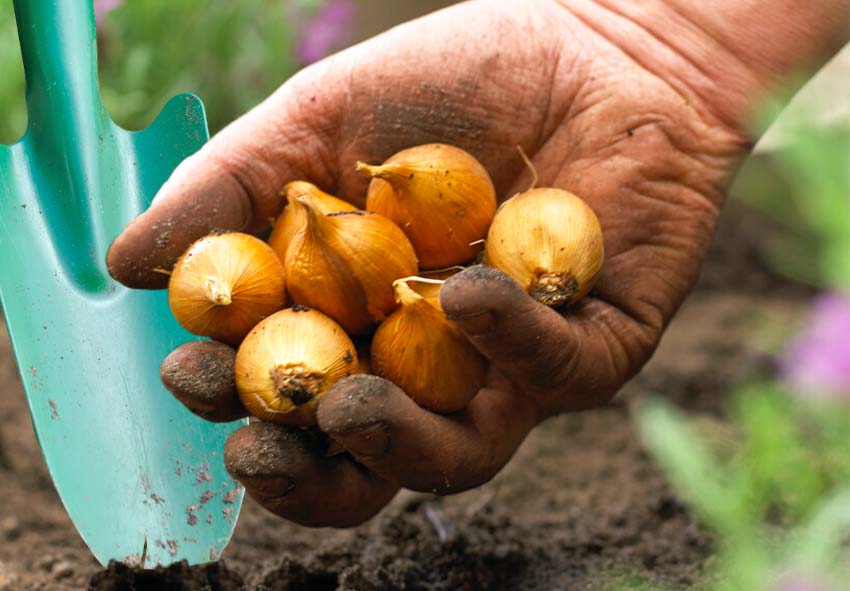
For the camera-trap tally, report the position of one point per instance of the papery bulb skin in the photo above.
(294, 217)
(224, 284)
(429, 284)
(441, 196)
(344, 265)
(426, 355)
(550, 242)
(287, 363)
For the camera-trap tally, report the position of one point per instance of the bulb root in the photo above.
(553, 289)
(297, 383)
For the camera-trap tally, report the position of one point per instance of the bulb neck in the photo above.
(406, 296)
(392, 173)
(316, 220)
(218, 292)
(296, 383)
(554, 289)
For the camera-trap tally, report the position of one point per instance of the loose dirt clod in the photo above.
(177, 577)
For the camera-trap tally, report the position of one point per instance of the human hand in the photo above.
(605, 110)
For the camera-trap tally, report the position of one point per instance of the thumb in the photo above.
(234, 182)
(532, 345)
(526, 340)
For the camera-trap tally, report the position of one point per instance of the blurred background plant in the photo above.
(774, 482)
(231, 54)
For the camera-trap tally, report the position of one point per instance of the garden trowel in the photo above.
(134, 469)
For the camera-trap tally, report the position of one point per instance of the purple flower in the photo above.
(104, 7)
(817, 363)
(329, 30)
(797, 582)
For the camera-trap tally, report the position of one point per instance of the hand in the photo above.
(605, 110)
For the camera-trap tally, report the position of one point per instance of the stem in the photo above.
(218, 292)
(387, 172)
(315, 217)
(418, 279)
(530, 165)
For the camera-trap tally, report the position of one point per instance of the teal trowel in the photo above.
(132, 466)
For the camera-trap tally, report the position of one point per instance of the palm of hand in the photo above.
(486, 77)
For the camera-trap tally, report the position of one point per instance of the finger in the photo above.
(235, 181)
(584, 357)
(286, 470)
(200, 374)
(389, 434)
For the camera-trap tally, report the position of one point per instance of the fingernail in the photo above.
(371, 441)
(478, 324)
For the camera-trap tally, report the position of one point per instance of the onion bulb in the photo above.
(287, 363)
(344, 265)
(426, 355)
(550, 242)
(224, 284)
(442, 198)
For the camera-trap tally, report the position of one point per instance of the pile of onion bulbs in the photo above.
(331, 276)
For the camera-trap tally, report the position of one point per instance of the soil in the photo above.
(581, 502)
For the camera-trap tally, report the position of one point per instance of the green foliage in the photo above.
(805, 187)
(231, 54)
(13, 112)
(780, 502)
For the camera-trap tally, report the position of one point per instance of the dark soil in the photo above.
(581, 503)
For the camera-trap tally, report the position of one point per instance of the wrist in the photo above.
(723, 56)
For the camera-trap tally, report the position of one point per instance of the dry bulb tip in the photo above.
(554, 289)
(296, 383)
(218, 292)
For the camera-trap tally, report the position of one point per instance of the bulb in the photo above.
(426, 355)
(224, 284)
(442, 198)
(287, 363)
(294, 217)
(344, 265)
(550, 242)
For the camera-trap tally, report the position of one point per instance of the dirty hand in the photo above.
(615, 101)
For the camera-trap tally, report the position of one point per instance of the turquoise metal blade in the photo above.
(131, 465)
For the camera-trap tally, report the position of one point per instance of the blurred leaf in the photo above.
(13, 120)
(690, 466)
(779, 477)
(819, 544)
(805, 184)
(231, 54)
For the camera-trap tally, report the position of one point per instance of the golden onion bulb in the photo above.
(287, 363)
(426, 355)
(550, 242)
(442, 198)
(224, 284)
(344, 265)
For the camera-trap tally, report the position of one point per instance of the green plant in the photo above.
(231, 54)
(13, 121)
(804, 186)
